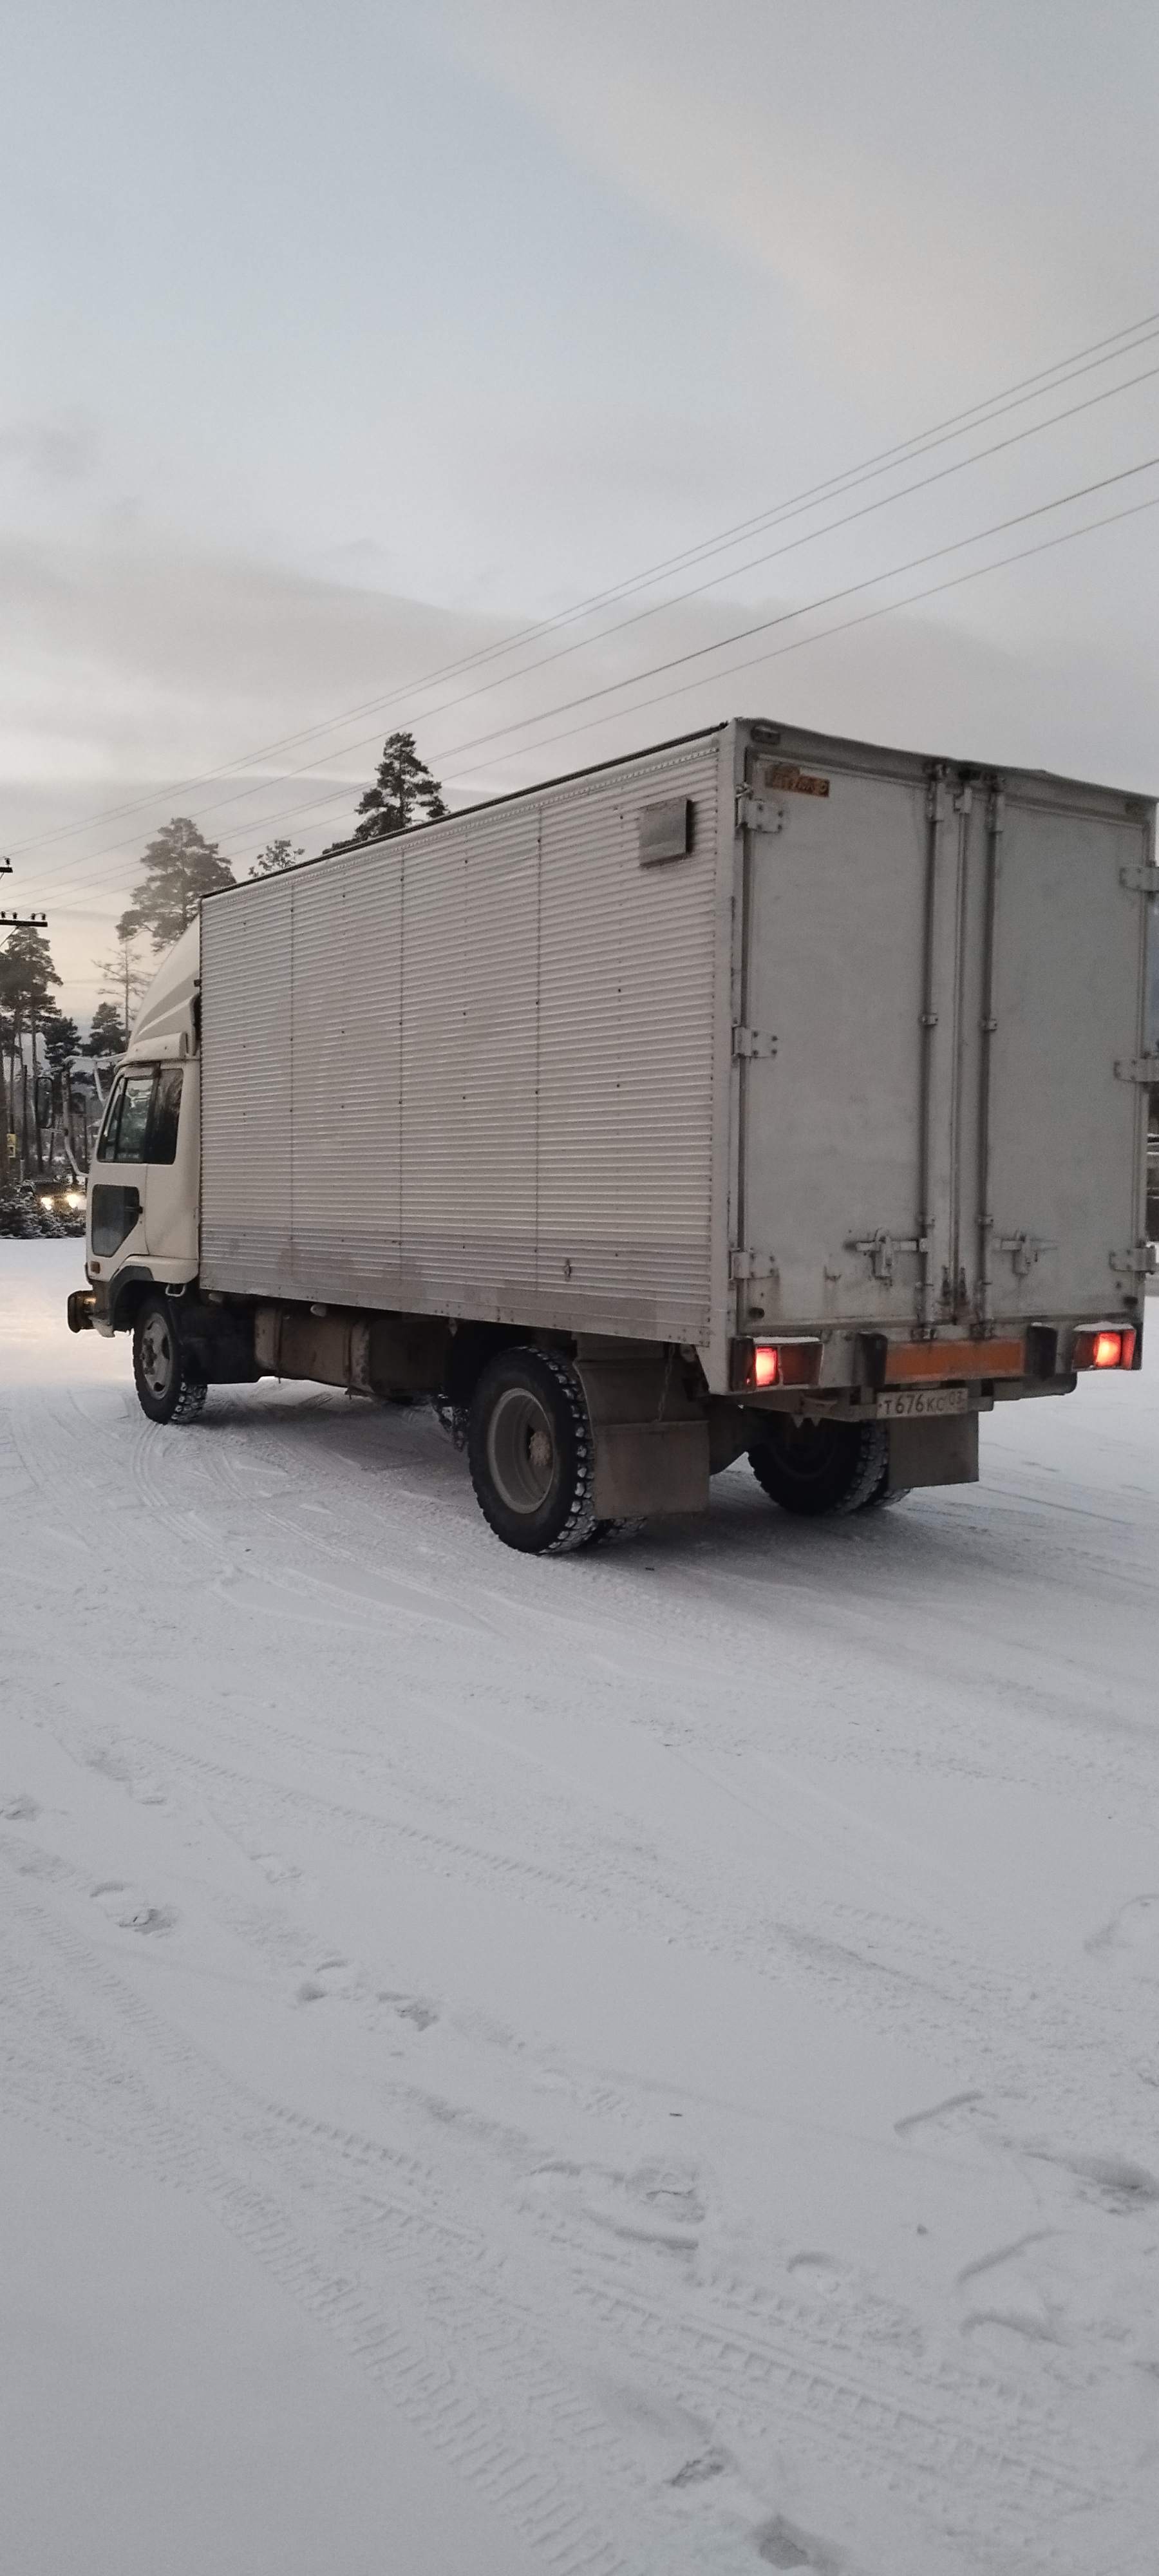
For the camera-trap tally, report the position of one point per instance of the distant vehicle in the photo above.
(760, 1093)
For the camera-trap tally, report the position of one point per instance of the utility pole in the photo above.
(15, 921)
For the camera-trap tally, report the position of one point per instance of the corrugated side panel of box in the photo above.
(625, 1072)
(470, 1071)
(246, 1101)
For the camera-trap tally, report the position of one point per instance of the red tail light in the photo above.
(1104, 1346)
(794, 1362)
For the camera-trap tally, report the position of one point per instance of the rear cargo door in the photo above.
(1067, 1102)
(940, 1076)
(829, 1045)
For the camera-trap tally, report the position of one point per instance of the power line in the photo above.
(1097, 353)
(756, 563)
(868, 509)
(887, 608)
(768, 625)
(914, 599)
(810, 608)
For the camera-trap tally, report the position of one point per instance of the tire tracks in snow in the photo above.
(446, 2331)
(944, 2001)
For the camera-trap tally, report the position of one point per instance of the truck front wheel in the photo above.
(530, 1449)
(170, 1387)
(815, 1467)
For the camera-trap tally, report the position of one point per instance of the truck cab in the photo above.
(142, 1229)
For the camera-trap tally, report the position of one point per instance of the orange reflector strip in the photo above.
(766, 1366)
(910, 1363)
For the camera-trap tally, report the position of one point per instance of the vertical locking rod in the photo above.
(995, 826)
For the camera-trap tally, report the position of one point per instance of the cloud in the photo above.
(531, 463)
(918, 191)
(51, 451)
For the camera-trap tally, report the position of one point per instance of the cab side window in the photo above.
(166, 1112)
(129, 1125)
(141, 1126)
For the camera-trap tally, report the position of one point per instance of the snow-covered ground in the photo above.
(644, 2063)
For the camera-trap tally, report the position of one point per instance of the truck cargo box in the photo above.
(755, 1030)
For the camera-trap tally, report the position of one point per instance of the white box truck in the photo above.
(760, 1093)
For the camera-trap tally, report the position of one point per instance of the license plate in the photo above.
(911, 1403)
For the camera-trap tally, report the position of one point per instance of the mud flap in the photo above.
(645, 1467)
(943, 1452)
(651, 1442)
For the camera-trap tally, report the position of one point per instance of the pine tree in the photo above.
(61, 1040)
(61, 1043)
(403, 793)
(275, 858)
(27, 976)
(179, 866)
(107, 1035)
(121, 975)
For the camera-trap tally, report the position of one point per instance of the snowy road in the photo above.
(646, 2063)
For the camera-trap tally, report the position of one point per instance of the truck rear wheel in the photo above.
(170, 1386)
(531, 1453)
(881, 1498)
(816, 1467)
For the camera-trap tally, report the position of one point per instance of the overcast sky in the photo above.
(342, 341)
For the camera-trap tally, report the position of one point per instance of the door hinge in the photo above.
(748, 1042)
(1144, 880)
(1139, 1068)
(1138, 1262)
(1024, 1250)
(758, 814)
(752, 1265)
(882, 1251)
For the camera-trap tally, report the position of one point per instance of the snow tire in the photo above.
(170, 1386)
(815, 1468)
(609, 1533)
(881, 1499)
(531, 1453)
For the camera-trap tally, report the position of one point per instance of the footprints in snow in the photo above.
(937, 2111)
(1130, 1941)
(322, 1986)
(783, 2544)
(422, 2015)
(779, 2543)
(333, 1979)
(1111, 2180)
(19, 1810)
(129, 1911)
(695, 2473)
(141, 1782)
(656, 2205)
